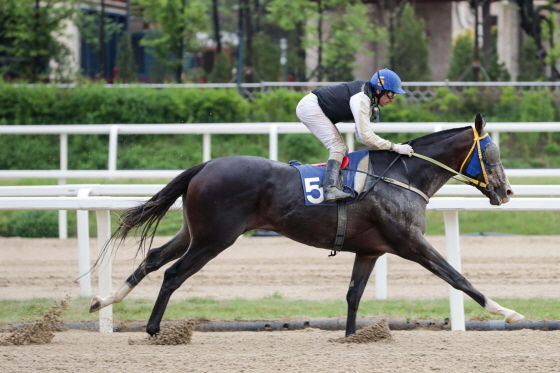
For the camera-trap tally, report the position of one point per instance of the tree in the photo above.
(310, 16)
(29, 34)
(529, 65)
(221, 72)
(177, 22)
(125, 61)
(550, 34)
(97, 29)
(532, 21)
(347, 34)
(409, 52)
(460, 67)
(496, 70)
(266, 59)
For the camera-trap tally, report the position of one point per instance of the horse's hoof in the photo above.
(95, 304)
(152, 330)
(514, 317)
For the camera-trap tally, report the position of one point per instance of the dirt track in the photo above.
(499, 266)
(507, 266)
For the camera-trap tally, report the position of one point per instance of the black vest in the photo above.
(335, 100)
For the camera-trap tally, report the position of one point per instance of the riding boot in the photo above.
(332, 189)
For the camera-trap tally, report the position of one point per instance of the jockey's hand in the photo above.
(404, 149)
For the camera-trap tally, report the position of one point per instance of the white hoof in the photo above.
(95, 304)
(514, 317)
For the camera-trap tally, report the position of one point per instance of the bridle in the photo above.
(479, 143)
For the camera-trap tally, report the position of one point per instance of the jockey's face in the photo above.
(384, 100)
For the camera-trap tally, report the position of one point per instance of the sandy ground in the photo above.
(505, 266)
(294, 351)
(498, 266)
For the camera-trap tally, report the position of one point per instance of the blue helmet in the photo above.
(387, 80)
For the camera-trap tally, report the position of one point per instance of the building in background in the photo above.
(445, 20)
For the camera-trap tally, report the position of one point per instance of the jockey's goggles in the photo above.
(391, 95)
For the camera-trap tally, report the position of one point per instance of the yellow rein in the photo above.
(467, 179)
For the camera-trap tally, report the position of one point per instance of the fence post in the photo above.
(496, 138)
(105, 268)
(451, 221)
(63, 214)
(83, 246)
(206, 147)
(381, 277)
(113, 142)
(350, 141)
(273, 142)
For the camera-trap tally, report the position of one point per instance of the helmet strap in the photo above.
(378, 95)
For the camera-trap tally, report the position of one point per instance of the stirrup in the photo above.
(332, 194)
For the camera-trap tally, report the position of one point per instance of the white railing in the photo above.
(26, 199)
(207, 129)
(270, 128)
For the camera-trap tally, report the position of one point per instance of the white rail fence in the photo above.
(273, 129)
(89, 197)
(207, 129)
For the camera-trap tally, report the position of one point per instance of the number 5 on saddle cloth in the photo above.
(353, 182)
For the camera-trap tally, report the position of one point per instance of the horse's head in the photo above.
(483, 164)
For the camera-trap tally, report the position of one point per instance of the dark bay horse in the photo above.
(225, 197)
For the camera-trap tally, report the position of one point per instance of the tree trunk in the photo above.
(216, 20)
(181, 46)
(320, 47)
(248, 41)
(476, 60)
(301, 67)
(102, 41)
(37, 59)
(486, 34)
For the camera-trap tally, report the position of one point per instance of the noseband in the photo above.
(481, 146)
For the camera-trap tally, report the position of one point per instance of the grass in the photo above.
(273, 307)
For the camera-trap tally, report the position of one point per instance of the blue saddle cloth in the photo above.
(312, 177)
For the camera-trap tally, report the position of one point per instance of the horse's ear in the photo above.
(479, 123)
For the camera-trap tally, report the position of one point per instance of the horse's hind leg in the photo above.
(155, 259)
(430, 259)
(196, 257)
(363, 266)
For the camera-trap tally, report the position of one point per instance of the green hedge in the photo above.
(96, 104)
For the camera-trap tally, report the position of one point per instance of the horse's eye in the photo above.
(491, 154)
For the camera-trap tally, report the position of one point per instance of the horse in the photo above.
(226, 197)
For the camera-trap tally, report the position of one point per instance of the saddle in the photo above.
(354, 172)
(357, 178)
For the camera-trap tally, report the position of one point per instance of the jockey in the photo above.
(355, 102)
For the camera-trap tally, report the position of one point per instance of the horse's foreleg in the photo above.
(430, 259)
(155, 259)
(363, 265)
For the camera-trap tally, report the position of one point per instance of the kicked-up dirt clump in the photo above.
(378, 331)
(40, 331)
(175, 334)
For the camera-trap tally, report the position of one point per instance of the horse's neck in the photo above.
(451, 152)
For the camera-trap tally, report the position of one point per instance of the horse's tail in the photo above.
(150, 213)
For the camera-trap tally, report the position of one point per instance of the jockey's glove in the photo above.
(404, 149)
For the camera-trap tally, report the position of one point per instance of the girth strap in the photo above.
(341, 228)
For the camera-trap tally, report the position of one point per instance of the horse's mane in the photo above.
(435, 137)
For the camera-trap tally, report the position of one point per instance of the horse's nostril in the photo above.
(509, 192)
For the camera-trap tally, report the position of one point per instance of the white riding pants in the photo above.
(310, 114)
